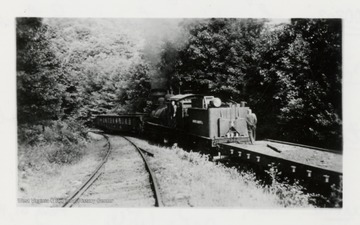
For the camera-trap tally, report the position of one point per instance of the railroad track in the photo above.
(93, 177)
(123, 178)
(153, 181)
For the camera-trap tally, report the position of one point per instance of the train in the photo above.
(126, 123)
(187, 119)
(221, 130)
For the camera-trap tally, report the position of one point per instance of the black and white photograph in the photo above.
(210, 112)
(179, 112)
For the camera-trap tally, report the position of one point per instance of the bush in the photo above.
(290, 195)
(335, 198)
(64, 154)
(60, 141)
(29, 135)
(67, 132)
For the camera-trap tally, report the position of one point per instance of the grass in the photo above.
(49, 172)
(190, 179)
(290, 195)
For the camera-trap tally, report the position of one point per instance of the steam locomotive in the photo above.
(189, 119)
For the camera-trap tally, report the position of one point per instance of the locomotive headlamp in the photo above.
(216, 102)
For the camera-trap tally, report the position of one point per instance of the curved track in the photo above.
(93, 177)
(123, 179)
(154, 183)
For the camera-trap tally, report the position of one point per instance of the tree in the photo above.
(38, 90)
(220, 56)
(319, 81)
(304, 79)
(135, 90)
(99, 64)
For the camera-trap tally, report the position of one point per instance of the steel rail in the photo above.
(305, 146)
(147, 152)
(93, 177)
(153, 181)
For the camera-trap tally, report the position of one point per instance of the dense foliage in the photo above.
(37, 78)
(290, 73)
(75, 69)
(105, 70)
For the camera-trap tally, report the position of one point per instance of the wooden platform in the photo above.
(293, 161)
(321, 159)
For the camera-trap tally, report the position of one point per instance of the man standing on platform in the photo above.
(251, 121)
